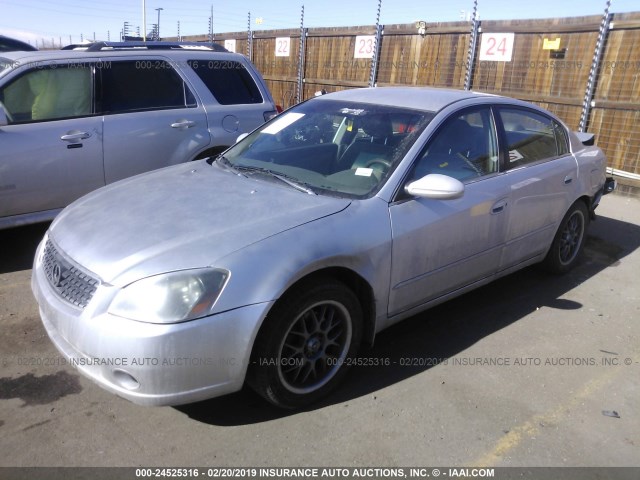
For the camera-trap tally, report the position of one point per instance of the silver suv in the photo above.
(73, 121)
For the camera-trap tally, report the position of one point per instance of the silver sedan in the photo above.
(273, 263)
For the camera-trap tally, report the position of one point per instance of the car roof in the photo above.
(423, 98)
(44, 55)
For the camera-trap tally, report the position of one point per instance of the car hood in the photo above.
(181, 217)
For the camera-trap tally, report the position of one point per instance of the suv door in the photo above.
(51, 148)
(440, 246)
(543, 176)
(151, 117)
(233, 98)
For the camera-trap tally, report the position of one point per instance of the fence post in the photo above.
(373, 74)
(595, 68)
(249, 39)
(211, 27)
(301, 58)
(473, 42)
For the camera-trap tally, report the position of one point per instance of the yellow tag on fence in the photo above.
(551, 44)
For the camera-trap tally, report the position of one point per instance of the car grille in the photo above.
(75, 286)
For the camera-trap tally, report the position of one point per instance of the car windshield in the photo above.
(331, 147)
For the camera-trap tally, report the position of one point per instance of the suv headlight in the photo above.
(171, 297)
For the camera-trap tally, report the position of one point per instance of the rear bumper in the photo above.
(609, 185)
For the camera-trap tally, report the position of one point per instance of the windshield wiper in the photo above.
(291, 181)
(294, 183)
(222, 160)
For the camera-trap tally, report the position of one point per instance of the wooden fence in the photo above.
(549, 65)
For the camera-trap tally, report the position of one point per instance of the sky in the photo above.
(67, 21)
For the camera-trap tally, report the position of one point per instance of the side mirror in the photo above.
(4, 118)
(242, 136)
(436, 186)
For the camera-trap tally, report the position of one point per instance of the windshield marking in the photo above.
(364, 172)
(282, 122)
(352, 111)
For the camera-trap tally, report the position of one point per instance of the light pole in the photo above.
(158, 31)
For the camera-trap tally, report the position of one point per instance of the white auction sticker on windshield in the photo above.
(364, 172)
(352, 111)
(282, 122)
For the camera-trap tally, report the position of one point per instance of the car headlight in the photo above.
(170, 297)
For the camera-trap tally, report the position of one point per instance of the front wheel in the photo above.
(569, 240)
(303, 350)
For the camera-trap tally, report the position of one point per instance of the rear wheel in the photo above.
(302, 351)
(211, 152)
(569, 240)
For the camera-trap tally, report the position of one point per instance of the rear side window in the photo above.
(228, 81)
(532, 137)
(142, 85)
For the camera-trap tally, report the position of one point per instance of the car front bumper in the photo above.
(150, 364)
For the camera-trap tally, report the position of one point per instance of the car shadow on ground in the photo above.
(446, 330)
(19, 246)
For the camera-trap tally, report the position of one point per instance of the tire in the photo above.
(302, 351)
(211, 152)
(569, 241)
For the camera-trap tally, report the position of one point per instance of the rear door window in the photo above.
(228, 81)
(531, 137)
(142, 85)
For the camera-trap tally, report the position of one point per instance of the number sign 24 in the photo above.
(496, 47)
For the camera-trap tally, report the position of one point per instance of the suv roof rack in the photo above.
(134, 45)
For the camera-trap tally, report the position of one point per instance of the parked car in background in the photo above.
(8, 44)
(73, 121)
(273, 263)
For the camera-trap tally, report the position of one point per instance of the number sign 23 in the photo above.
(364, 46)
(496, 47)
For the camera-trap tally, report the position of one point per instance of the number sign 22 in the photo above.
(496, 47)
(283, 46)
(364, 46)
(230, 45)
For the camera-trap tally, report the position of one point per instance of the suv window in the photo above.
(531, 136)
(228, 81)
(48, 93)
(142, 85)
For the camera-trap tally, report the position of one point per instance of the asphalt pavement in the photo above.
(531, 370)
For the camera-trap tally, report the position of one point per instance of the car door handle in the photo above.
(568, 179)
(183, 124)
(74, 136)
(499, 207)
